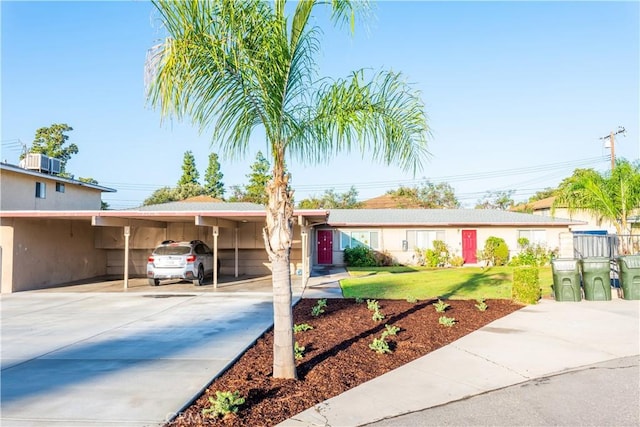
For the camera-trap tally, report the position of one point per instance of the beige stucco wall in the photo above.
(18, 192)
(41, 253)
(391, 239)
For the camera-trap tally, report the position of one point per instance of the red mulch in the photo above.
(337, 356)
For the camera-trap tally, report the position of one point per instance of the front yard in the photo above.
(426, 283)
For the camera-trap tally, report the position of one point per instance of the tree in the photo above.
(161, 195)
(613, 195)
(500, 200)
(51, 142)
(429, 195)
(213, 185)
(190, 174)
(255, 191)
(542, 194)
(332, 200)
(239, 66)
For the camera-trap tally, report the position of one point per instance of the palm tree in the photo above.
(235, 66)
(613, 196)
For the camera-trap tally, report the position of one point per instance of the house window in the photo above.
(423, 239)
(41, 190)
(352, 239)
(535, 237)
(59, 187)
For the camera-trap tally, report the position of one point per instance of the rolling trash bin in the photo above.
(596, 279)
(629, 266)
(566, 279)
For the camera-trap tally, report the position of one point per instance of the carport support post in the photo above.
(216, 231)
(235, 245)
(127, 233)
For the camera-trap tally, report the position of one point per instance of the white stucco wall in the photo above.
(18, 192)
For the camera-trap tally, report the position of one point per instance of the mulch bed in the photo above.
(337, 356)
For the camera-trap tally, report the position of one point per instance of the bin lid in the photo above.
(631, 261)
(567, 264)
(594, 262)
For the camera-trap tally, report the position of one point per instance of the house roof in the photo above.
(390, 201)
(535, 206)
(440, 217)
(19, 170)
(188, 205)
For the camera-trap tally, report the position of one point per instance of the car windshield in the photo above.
(172, 250)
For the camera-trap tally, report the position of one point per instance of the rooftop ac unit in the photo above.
(54, 165)
(37, 161)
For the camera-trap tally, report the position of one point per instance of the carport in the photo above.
(103, 240)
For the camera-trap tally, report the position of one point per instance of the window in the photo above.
(41, 190)
(59, 187)
(423, 238)
(352, 239)
(535, 237)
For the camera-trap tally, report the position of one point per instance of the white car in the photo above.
(180, 260)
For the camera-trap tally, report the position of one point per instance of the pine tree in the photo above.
(213, 184)
(256, 191)
(190, 174)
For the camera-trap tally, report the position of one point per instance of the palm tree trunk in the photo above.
(278, 235)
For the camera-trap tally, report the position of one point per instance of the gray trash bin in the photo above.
(566, 279)
(596, 278)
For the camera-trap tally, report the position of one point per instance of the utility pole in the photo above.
(612, 143)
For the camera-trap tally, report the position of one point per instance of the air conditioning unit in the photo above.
(54, 165)
(37, 161)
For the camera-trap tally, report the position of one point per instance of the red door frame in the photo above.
(325, 246)
(469, 246)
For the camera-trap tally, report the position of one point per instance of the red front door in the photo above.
(325, 247)
(469, 246)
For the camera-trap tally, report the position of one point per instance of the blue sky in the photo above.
(517, 93)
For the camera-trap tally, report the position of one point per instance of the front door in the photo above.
(469, 246)
(325, 247)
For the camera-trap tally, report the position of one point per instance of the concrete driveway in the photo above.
(113, 358)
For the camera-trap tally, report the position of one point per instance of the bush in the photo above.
(436, 257)
(360, 256)
(496, 251)
(526, 285)
(534, 255)
(456, 261)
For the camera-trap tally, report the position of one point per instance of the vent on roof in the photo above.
(54, 165)
(41, 163)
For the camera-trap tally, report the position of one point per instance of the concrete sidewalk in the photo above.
(534, 342)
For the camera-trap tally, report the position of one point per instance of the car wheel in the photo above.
(200, 279)
(154, 282)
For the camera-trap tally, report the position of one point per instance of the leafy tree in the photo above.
(429, 195)
(213, 185)
(500, 200)
(542, 194)
(51, 141)
(161, 195)
(238, 66)
(613, 195)
(190, 174)
(332, 200)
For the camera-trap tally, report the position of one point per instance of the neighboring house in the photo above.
(398, 232)
(26, 189)
(591, 224)
(390, 201)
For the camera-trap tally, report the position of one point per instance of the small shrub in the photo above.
(360, 256)
(526, 285)
(456, 261)
(359, 300)
(495, 252)
(390, 330)
(411, 299)
(298, 350)
(440, 306)
(373, 305)
(531, 254)
(318, 309)
(481, 305)
(224, 403)
(377, 316)
(380, 346)
(301, 327)
(384, 259)
(446, 321)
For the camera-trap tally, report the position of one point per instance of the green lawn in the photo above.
(422, 283)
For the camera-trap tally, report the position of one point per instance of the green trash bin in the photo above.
(630, 276)
(566, 279)
(596, 279)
